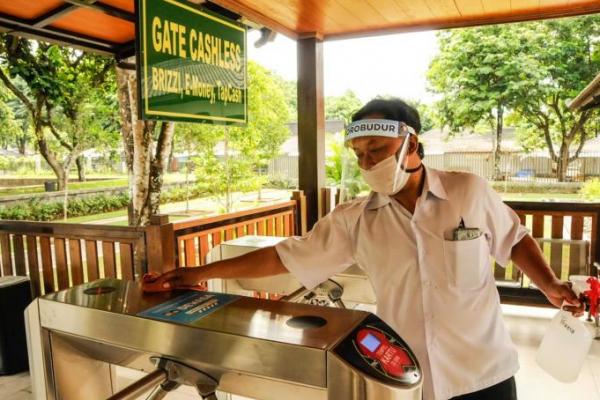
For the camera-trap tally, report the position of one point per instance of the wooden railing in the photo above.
(568, 236)
(56, 256)
(566, 232)
(62, 255)
(194, 238)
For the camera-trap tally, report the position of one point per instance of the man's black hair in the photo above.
(394, 109)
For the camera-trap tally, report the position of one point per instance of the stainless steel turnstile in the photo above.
(252, 347)
(344, 290)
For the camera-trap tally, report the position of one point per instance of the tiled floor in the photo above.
(15, 387)
(527, 327)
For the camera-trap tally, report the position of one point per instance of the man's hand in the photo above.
(558, 292)
(529, 258)
(178, 278)
(256, 264)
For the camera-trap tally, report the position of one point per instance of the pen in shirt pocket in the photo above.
(464, 233)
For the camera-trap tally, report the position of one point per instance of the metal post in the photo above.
(141, 386)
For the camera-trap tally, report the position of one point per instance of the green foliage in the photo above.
(290, 92)
(17, 165)
(565, 58)
(180, 194)
(342, 169)
(531, 70)
(591, 190)
(36, 210)
(65, 97)
(426, 113)
(342, 107)
(244, 150)
(479, 72)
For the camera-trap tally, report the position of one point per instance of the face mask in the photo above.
(388, 176)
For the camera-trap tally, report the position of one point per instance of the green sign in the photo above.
(191, 64)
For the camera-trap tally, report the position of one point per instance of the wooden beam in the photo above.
(311, 124)
(20, 27)
(53, 15)
(104, 9)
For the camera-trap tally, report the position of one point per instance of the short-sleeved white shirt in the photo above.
(438, 294)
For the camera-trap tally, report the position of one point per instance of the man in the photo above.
(424, 237)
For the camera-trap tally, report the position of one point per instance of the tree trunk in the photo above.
(59, 170)
(22, 144)
(145, 166)
(563, 163)
(228, 194)
(61, 180)
(80, 162)
(498, 176)
(159, 165)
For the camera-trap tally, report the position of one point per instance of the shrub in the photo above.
(591, 190)
(35, 210)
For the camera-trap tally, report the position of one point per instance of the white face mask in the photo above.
(389, 176)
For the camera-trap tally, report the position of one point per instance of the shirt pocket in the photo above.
(467, 262)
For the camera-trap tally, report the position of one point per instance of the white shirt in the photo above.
(438, 294)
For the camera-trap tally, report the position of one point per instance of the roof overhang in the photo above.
(589, 97)
(108, 26)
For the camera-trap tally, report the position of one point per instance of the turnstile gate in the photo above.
(216, 342)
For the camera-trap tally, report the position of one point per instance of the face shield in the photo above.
(383, 173)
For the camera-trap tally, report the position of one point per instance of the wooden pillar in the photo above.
(160, 244)
(311, 124)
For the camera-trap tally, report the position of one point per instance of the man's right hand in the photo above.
(256, 264)
(178, 278)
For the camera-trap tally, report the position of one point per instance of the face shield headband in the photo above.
(377, 127)
(388, 176)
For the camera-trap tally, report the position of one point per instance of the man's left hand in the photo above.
(558, 292)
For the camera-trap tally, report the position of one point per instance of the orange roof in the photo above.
(108, 26)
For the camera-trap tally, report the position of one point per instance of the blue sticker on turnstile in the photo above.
(188, 307)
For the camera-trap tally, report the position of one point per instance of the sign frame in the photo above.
(145, 111)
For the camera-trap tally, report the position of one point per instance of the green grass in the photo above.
(110, 183)
(96, 217)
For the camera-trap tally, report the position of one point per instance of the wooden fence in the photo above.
(568, 236)
(566, 232)
(56, 255)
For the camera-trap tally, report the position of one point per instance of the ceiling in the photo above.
(108, 26)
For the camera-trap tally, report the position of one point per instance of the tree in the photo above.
(37, 64)
(566, 57)
(290, 92)
(342, 107)
(531, 69)
(10, 127)
(481, 73)
(88, 107)
(147, 145)
(246, 150)
(341, 168)
(59, 89)
(425, 114)
(23, 135)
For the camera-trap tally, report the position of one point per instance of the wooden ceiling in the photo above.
(332, 19)
(108, 26)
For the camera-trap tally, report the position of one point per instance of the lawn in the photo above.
(110, 182)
